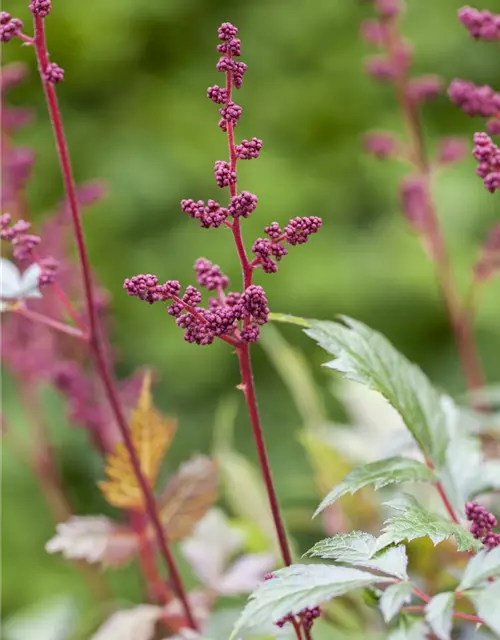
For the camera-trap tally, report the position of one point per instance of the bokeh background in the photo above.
(137, 117)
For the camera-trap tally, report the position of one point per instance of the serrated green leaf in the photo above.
(486, 603)
(353, 547)
(485, 564)
(297, 587)
(380, 474)
(412, 521)
(438, 613)
(393, 598)
(365, 356)
(359, 548)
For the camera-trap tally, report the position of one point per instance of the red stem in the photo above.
(251, 400)
(442, 494)
(460, 322)
(447, 503)
(298, 628)
(456, 614)
(50, 322)
(95, 342)
(139, 522)
(244, 359)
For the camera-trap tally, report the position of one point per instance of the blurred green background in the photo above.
(137, 117)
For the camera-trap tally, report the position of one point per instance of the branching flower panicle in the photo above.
(232, 316)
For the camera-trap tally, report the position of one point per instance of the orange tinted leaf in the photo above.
(188, 496)
(151, 436)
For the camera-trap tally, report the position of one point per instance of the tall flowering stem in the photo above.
(244, 350)
(416, 190)
(233, 317)
(50, 74)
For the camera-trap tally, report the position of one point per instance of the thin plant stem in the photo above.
(307, 633)
(298, 628)
(251, 400)
(456, 614)
(460, 322)
(139, 522)
(245, 363)
(442, 494)
(244, 358)
(50, 322)
(447, 504)
(95, 341)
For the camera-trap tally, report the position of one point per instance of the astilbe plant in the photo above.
(393, 66)
(131, 434)
(68, 339)
(444, 447)
(53, 334)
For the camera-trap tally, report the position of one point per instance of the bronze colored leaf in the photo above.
(188, 496)
(152, 435)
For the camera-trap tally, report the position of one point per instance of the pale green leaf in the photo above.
(367, 357)
(487, 606)
(297, 587)
(393, 598)
(295, 372)
(410, 629)
(359, 548)
(240, 478)
(412, 521)
(438, 613)
(485, 564)
(488, 480)
(379, 474)
(287, 319)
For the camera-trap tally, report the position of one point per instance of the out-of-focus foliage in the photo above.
(136, 115)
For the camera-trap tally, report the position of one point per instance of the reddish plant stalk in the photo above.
(95, 342)
(50, 322)
(251, 400)
(448, 506)
(460, 320)
(307, 633)
(245, 362)
(456, 614)
(442, 494)
(298, 628)
(157, 586)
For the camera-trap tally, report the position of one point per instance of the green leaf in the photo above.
(380, 473)
(295, 372)
(239, 478)
(412, 521)
(410, 629)
(393, 598)
(438, 613)
(367, 357)
(287, 319)
(485, 564)
(359, 548)
(486, 604)
(297, 587)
